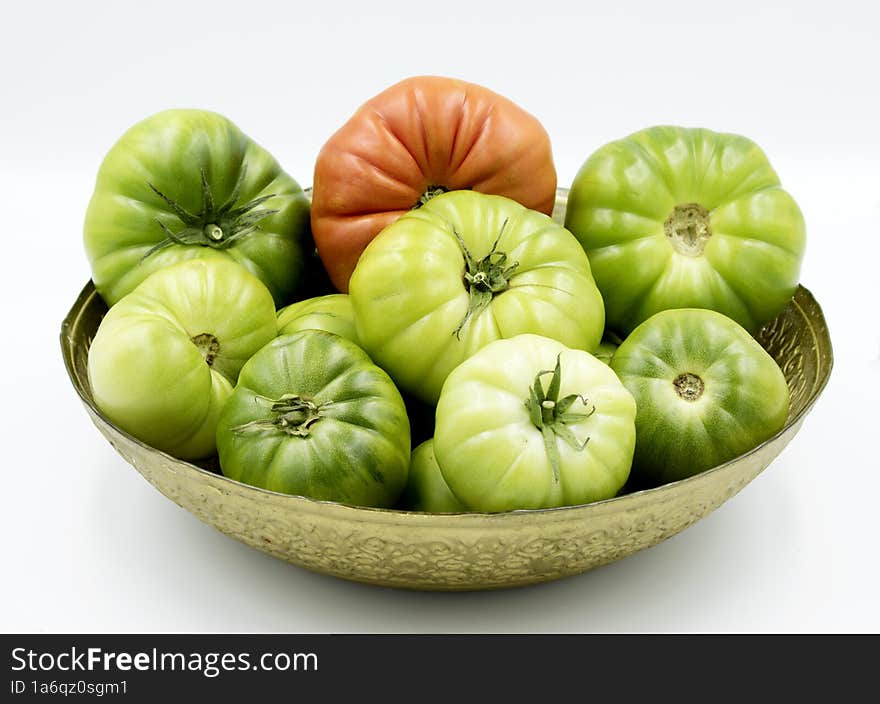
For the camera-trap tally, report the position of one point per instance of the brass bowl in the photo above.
(462, 551)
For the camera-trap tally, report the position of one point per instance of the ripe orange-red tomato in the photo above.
(424, 135)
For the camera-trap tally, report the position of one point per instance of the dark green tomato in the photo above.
(705, 390)
(188, 183)
(313, 416)
(332, 313)
(426, 490)
(686, 218)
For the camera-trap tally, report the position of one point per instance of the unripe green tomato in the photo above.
(332, 313)
(313, 416)
(605, 351)
(528, 423)
(165, 358)
(706, 392)
(463, 270)
(185, 184)
(672, 217)
(426, 490)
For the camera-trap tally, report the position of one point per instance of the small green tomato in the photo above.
(426, 490)
(332, 313)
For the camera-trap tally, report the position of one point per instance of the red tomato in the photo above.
(424, 135)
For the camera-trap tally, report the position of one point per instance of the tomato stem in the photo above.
(551, 415)
(430, 192)
(214, 227)
(483, 278)
(291, 414)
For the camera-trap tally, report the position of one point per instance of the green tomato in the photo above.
(706, 392)
(332, 313)
(313, 416)
(426, 490)
(687, 218)
(461, 271)
(528, 423)
(184, 184)
(605, 351)
(165, 358)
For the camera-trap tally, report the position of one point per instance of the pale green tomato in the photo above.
(529, 423)
(332, 313)
(687, 218)
(426, 490)
(313, 416)
(186, 184)
(461, 271)
(165, 358)
(706, 392)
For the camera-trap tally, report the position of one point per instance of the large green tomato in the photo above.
(686, 218)
(426, 490)
(313, 416)
(165, 358)
(528, 423)
(462, 271)
(188, 183)
(706, 392)
(332, 313)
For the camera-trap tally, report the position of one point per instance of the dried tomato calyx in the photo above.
(291, 413)
(688, 229)
(430, 192)
(208, 345)
(689, 386)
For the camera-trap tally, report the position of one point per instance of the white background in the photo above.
(88, 545)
